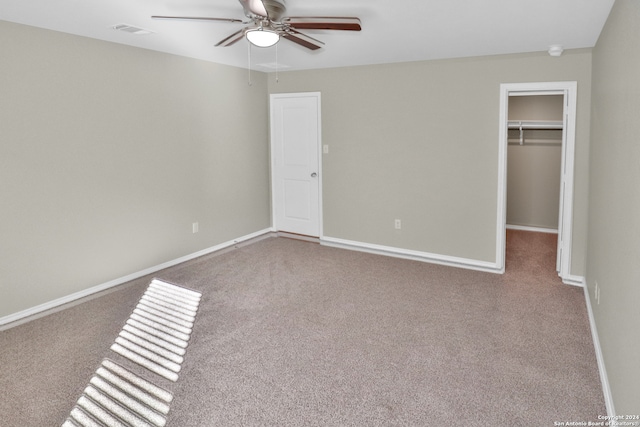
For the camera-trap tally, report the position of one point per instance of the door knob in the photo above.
(313, 175)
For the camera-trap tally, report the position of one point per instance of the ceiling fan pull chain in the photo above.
(249, 52)
(277, 79)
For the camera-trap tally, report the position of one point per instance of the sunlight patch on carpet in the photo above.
(154, 338)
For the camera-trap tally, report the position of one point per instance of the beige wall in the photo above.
(533, 168)
(109, 153)
(419, 142)
(614, 208)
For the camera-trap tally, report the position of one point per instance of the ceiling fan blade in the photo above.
(323, 23)
(233, 38)
(195, 18)
(303, 40)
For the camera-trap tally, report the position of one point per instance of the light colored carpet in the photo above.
(292, 333)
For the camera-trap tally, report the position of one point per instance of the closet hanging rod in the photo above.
(535, 124)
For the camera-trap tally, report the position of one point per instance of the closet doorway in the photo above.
(534, 153)
(537, 145)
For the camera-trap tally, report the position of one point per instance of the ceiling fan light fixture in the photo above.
(262, 38)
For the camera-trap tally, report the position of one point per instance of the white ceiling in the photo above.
(393, 30)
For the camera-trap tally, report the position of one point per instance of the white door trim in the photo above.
(272, 97)
(565, 223)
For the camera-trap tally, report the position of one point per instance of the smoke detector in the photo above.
(555, 50)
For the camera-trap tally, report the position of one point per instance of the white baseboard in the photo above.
(469, 264)
(14, 319)
(573, 280)
(534, 229)
(606, 390)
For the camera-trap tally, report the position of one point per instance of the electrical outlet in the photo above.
(195, 227)
(325, 149)
(398, 224)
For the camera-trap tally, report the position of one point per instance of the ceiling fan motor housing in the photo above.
(276, 9)
(273, 10)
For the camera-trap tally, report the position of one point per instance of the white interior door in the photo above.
(295, 161)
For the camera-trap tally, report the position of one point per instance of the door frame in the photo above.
(565, 214)
(318, 97)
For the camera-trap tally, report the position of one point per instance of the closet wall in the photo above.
(534, 157)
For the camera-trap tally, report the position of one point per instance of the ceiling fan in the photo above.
(268, 22)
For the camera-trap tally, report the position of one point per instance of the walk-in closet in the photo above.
(534, 157)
